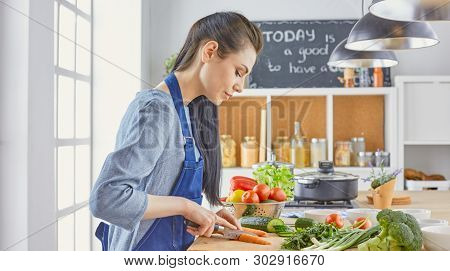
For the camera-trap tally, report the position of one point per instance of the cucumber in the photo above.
(262, 223)
(274, 222)
(303, 223)
(249, 210)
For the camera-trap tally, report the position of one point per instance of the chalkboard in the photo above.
(295, 54)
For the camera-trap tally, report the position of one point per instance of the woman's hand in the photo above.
(223, 213)
(205, 218)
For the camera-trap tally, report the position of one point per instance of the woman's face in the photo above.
(221, 78)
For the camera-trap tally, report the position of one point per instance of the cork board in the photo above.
(359, 116)
(310, 111)
(241, 117)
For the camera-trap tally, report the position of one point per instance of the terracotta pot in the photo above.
(382, 195)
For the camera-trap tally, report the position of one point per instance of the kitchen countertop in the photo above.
(436, 201)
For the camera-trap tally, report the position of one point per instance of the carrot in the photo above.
(257, 232)
(253, 239)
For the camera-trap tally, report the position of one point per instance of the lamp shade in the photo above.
(345, 58)
(372, 33)
(412, 10)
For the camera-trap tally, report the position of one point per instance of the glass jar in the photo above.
(370, 159)
(300, 152)
(361, 159)
(282, 149)
(342, 153)
(228, 151)
(358, 145)
(249, 151)
(382, 156)
(318, 151)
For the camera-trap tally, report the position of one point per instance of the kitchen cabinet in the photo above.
(424, 124)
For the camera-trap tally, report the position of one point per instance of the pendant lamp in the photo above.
(412, 10)
(372, 33)
(345, 58)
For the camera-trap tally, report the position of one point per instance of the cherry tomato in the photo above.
(277, 194)
(250, 197)
(263, 191)
(360, 224)
(335, 220)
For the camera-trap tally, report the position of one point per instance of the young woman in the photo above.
(167, 150)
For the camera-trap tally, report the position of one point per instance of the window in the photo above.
(73, 118)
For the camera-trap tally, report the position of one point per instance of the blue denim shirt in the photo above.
(147, 159)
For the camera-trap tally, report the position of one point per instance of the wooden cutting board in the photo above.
(218, 243)
(396, 200)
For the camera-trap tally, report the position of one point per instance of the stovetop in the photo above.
(343, 204)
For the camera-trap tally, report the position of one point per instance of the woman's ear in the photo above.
(209, 50)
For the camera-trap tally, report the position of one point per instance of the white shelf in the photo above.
(428, 143)
(252, 92)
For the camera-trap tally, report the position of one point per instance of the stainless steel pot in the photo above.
(325, 184)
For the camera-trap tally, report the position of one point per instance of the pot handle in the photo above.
(309, 183)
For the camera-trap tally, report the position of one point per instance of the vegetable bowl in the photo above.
(268, 209)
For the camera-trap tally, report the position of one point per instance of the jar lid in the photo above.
(325, 173)
(369, 153)
(357, 139)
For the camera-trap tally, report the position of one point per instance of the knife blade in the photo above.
(227, 232)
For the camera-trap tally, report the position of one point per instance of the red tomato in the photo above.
(263, 191)
(360, 224)
(277, 194)
(335, 220)
(250, 197)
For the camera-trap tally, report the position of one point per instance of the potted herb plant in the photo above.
(382, 187)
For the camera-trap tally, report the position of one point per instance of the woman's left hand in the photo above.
(229, 217)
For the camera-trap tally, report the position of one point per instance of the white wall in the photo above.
(27, 204)
(14, 124)
(116, 72)
(170, 21)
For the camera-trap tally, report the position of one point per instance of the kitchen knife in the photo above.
(227, 232)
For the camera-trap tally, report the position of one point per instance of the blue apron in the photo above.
(169, 233)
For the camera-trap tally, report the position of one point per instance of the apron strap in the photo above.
(175, 92)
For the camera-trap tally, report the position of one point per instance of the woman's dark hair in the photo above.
(233, 32)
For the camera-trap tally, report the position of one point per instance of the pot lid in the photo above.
(326, 173)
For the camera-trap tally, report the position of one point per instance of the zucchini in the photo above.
(262, 223)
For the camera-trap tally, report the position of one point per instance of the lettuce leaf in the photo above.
(276, 177)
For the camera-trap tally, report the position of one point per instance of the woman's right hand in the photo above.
(205, 218)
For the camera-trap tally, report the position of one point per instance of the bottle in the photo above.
(364, 78)
(300, 150)
(378, 77)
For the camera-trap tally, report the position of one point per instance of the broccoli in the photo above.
(399, 231)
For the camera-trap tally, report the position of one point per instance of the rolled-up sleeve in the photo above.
(118, 195)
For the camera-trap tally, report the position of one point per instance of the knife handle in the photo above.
(217, 228)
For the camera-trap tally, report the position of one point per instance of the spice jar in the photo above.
(282, 149)
(358, 145)
(228, 151)
(249, 151)
(342, 153)
(318, 151)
